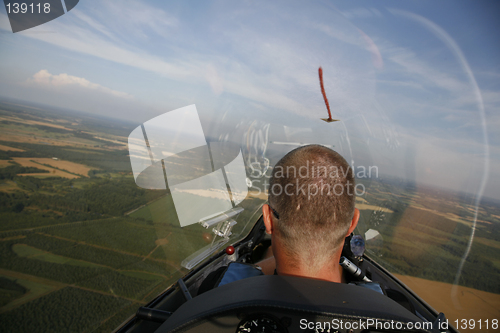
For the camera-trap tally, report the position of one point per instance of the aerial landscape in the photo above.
(66, 233)
(138, 140)
(78, 236)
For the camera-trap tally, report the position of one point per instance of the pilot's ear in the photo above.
(354, 222)
(268, 221)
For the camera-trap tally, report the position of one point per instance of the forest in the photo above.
(67, 245)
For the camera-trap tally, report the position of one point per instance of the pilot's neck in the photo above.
(293, 266)
(338, 278)
(332, 273)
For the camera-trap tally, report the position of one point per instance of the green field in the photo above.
(66, 245)
(34, 291)
(161, 210)
(416, 241)
(82, 310)
(27, 251)
(115, 233)
(179, 242)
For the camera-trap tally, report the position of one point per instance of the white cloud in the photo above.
(44, 78)
(265, 68)
(454, 163)
(93, 24)
(268, 66)
(361, 13)
(278, 74)
(419, 71)
(399, 83)
(140, 18)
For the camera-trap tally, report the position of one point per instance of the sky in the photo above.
(415, 84)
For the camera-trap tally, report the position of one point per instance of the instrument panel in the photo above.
(262, 323)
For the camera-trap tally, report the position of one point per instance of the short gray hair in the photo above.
(311, 225)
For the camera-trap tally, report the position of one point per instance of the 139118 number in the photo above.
(464, 324)
(24, 8)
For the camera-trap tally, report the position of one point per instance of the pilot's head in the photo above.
(311, 199)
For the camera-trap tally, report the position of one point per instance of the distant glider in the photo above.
(329, 119)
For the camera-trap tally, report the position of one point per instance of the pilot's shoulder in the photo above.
(226, 274)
